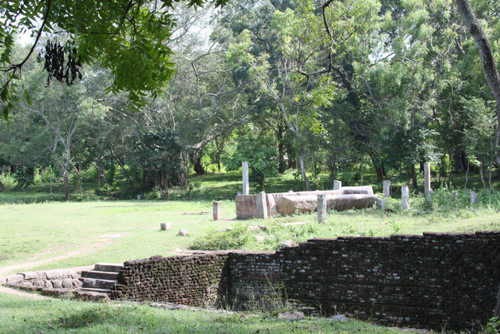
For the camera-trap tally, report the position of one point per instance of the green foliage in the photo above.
(493, 326)
(128, 38)
(8, 180)
(235, 238)
(260, 152)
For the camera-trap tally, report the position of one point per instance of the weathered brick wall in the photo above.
(432, 281)
(429, 281)
(196, 280)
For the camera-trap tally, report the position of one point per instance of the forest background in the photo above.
(365, 89)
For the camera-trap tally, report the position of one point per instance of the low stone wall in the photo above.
(431, 281)
(50, 282)
(196, 280)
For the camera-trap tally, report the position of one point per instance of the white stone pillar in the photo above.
(473, 197)
(405, 196)
(217, 211)
(246, 185)
(387, 188)
(453, 195)
(427, 181)
(380, 204)
(262, 205)
(322, 209)
(337, 185)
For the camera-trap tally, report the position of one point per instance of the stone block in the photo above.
(15, 279)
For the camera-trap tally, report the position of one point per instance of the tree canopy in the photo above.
(128, 37)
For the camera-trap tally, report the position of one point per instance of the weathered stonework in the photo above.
(428, 281)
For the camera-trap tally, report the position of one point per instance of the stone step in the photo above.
(93, 294)
(98, 283)
(111, 275)
(114, 267)
(100, 290)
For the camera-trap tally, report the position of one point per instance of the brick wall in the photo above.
(428, 281)
(196, 280)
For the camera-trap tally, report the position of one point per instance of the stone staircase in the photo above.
(99, 282)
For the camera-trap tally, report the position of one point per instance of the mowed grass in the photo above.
(91, 232)
(21, 315)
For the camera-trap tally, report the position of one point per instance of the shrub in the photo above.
(8, 180)
(233, 239)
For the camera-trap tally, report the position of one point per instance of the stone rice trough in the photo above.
(286, 204)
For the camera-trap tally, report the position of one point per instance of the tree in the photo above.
(487, 57)
(130, 38)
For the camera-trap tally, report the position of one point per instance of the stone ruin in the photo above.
(285, 204)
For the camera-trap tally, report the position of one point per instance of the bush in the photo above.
(8, 180)
(233, 239)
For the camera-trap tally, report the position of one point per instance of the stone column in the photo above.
(380, 204)
(261, 205)
(217, 211)
(427, 181)
(405, 196)
(453, 195)
(387, 188)
(473, 197)
(246, 185)
(337, 185)
(322, 209)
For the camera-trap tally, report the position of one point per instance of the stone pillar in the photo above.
(217, 211)
(380, 204)
(473, 197)
(405, 196)
(322, 209)
(337, 185)
(427, 181)
(453, 195)
(387, 188)
(261, 205)
(165, 226)
(244, 171)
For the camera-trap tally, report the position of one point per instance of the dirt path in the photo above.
(104, 240)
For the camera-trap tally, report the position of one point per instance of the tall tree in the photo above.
(487, 57)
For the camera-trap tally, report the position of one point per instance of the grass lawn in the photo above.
(21, 315)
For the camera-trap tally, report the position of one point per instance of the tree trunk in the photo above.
(303, 172)
(281, 149)
(198, 167)
(413, 175)
(481, 173)
(2, 187)
(487, 58)
(66, 183)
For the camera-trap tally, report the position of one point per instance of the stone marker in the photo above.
(139, 197)
(217, 211)
(165, 226)
(284, 244)
(295, 315)
(473, 197)
(256, 228)
(387, 188)
(405, 196)
(338, 317)
(337, 185)
(261, 205)
(182, 233)
(453, 195)
(427, 181)
(244, 171)
(322, 209)
(380, 204)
